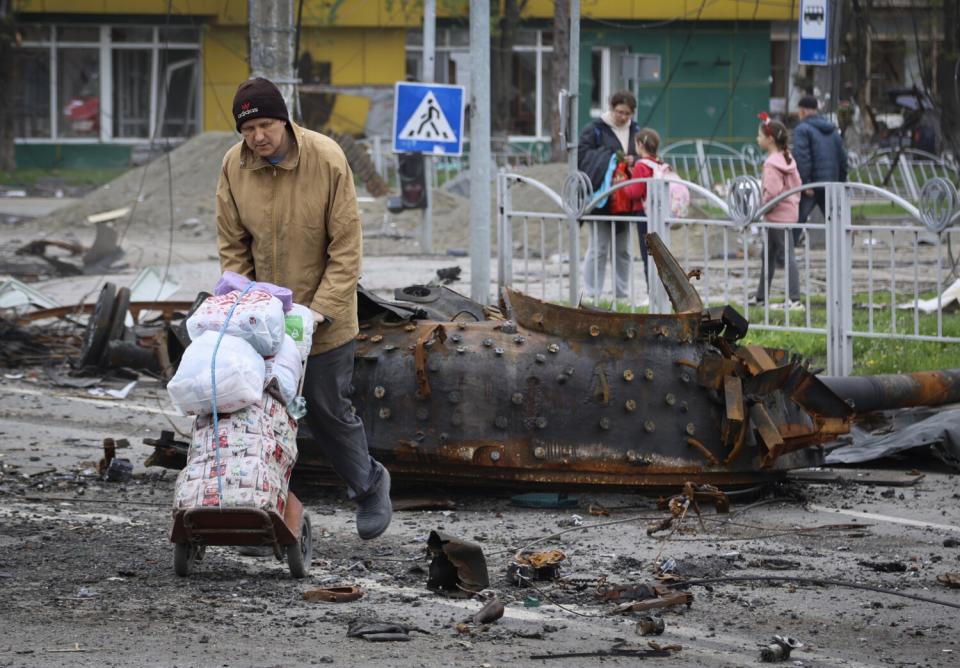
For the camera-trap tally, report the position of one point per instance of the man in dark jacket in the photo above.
(600, 140)
(820, 154)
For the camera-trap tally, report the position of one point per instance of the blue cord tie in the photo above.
(213, 393)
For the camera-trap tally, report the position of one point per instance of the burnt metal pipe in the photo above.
(866, 394)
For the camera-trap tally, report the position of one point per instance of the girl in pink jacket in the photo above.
(779, 175)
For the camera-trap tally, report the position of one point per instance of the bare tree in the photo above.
(8, 84)
(504, 38)
(561, 65)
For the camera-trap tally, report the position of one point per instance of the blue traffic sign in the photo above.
(428, 118)
(814, 44)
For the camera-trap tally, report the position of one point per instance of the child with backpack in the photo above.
(780, 174)
(650, 166)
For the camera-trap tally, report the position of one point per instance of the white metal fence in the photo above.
(903, 172)
(871, 279)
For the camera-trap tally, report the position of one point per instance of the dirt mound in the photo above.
(194, 167)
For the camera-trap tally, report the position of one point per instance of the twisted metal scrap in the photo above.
(938, 204)
(743, 200)
(576, 192)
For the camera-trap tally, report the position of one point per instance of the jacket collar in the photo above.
(252, 161)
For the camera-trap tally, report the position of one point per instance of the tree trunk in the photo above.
(502, 73)
(947, 67)
(8, 84)
(561, 65)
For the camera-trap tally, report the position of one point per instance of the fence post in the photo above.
(501, 262)
(845, 237)
(573, 230)
(839, 289)
(703, 168)
(906, 172)
(657, 212)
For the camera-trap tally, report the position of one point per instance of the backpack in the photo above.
(620, 202)
(679, 194)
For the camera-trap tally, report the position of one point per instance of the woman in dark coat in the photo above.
(602, 138)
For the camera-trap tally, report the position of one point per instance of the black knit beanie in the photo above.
(258, 98)
(808, 102)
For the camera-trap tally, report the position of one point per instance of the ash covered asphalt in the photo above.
(86, 575)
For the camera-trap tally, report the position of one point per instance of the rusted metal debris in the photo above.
(458, 566)
(539, 394)
(105, 341)
(779, 649)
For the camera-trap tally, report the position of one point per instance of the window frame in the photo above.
(105, 46)
(444, 44)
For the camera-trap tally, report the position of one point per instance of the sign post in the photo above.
(428, 118)
(814, 41)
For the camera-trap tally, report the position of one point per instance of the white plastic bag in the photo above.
(287, 367)
(258, 319)
(240, 376)
(300, 328)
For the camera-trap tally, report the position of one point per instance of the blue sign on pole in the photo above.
(814, 44)
(428, 118)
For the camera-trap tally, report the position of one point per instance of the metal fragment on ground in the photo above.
(458, 566)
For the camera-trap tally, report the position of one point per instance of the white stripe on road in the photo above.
(887, 518)
(139, 408)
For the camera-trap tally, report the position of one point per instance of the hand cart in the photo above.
(290, 536)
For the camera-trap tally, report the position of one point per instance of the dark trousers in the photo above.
(779, 251)
(807, 203)
(338, 432)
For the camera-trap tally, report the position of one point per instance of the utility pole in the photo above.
(427, 76)
(573, 122)
(480, 151)
(9, 83)
(272, 29)
(560, 70)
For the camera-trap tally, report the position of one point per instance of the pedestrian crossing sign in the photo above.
(428, 118)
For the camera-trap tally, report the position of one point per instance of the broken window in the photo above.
(78, 94)
(33, 107)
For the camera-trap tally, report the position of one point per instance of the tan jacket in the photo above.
(295, 225)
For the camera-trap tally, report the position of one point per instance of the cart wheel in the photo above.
(300, 554)
(184, 555)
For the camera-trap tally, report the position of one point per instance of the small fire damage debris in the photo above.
(458, 567)
(93, 339)
(42, 258)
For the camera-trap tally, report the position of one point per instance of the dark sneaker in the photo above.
(374, 510)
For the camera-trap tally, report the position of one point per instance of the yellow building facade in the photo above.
(104, 75)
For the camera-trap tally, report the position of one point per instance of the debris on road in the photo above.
(344, 594)
(885, 566)
(375, 630)
(662, 598)
(951, 580)
(780, 649)
(458, 566)
(489, 613)
(650, 625)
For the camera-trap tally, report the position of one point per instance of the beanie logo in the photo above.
(247, 112)
(245, 106)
